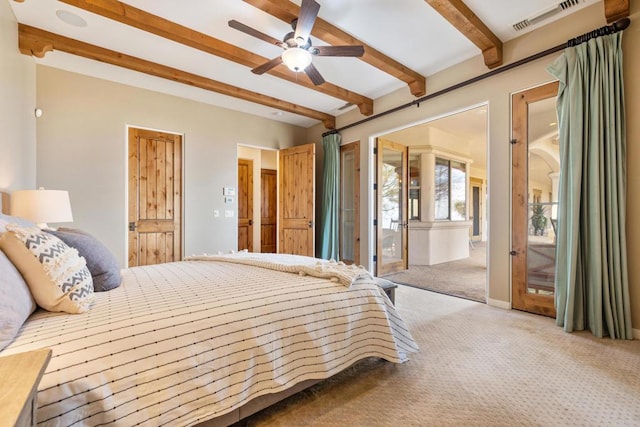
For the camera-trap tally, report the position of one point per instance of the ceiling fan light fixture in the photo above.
(296, 59)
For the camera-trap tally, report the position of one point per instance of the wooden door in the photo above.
(476, 209)
(533, 255)
(245, 204)
(296, 221)
(268, 210)
(155, 197)
(392, 205)
(350, 203)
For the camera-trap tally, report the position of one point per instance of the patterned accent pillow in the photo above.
(57, 276)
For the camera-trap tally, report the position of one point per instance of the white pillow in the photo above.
(57, 276)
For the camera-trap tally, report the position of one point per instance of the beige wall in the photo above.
(497, 92)
(17, 105)
(82, 148)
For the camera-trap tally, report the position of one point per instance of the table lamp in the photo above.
(42, 206)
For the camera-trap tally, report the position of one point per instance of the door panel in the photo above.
(268, 210)
(535, 157)
(155, 197)
(350, 203)
(392, 204)
(245, 205)
(297, 200)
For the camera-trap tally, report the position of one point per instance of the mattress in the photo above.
(184, 342)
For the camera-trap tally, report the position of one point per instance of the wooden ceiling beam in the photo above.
(37, 42)
(465, 21)
(287, 12)
(129, 15)
(616, 9)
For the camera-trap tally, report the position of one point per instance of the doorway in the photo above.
(447, 203)
(535, 171)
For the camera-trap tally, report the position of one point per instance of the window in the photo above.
(450, 190)
(414, 186)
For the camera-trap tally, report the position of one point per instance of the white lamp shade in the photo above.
(41, 206)
(297, 59)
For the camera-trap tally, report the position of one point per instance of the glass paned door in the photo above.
(392, 201)
(535, 172)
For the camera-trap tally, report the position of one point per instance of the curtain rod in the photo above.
(619, 25)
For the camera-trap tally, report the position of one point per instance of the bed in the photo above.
(208, 340)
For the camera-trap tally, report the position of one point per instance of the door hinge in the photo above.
(513, 142)
(132, 226)
(375, 222)
(375, 187)
(375, 258)
(375, 150)
(513, 253)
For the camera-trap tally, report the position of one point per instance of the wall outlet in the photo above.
(216, 213)
(228, 214)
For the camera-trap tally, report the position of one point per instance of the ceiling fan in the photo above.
(298, 49)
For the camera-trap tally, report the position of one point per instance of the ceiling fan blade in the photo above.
(308, 14)
(253, 32)
(337, 50)
(314, 74)
(261, 69)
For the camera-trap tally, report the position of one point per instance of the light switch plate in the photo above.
(228, 191)
(228, 214)
(228, 199)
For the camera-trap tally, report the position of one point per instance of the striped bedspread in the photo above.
(180, 343)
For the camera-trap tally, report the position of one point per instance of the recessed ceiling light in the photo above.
(71, 18)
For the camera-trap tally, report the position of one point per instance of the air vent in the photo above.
(546, 14)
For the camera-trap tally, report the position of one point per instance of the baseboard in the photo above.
(636, 334)
(499, 303)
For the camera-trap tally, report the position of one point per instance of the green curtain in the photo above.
(592, 289)
(330, 216)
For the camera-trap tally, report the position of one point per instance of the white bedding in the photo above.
(180, 343)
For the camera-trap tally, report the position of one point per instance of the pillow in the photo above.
(16, 302)
(57, 276)
(6, 219)
(103, 266)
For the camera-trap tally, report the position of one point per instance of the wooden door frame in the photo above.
(379, 145)
(355, 147)
(128, 207)
(477, 182)
(520, 298)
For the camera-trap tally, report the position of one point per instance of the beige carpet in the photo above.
(478, 366)
(465, 278)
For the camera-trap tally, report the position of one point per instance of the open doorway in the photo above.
(257, 199)
(447, 204)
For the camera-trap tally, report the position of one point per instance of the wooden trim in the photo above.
(616, 9)
(129, 15)
(521, 299)
(464, 20)
(288, 11)
(37, 42)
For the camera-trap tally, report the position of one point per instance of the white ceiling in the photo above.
(409, 31)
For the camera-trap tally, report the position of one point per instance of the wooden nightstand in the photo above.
(21, 374)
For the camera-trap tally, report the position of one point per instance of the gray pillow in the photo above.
(7, 219)
(100, 262)
(16, 302)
